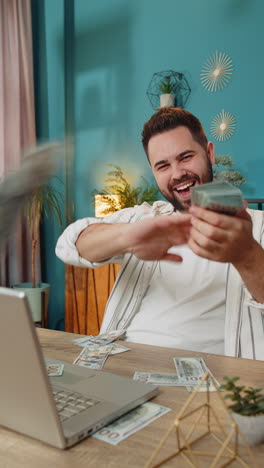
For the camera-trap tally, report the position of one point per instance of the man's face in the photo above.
(178, 163)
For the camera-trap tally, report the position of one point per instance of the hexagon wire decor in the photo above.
(179, 85)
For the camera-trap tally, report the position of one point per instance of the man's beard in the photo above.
(174, 200)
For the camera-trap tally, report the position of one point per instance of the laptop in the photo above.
(28, 397)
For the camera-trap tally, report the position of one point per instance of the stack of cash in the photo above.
(39, 163)
(218, 196)
(96, 349)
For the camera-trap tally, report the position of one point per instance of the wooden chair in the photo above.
(86, 295)
(255, 201)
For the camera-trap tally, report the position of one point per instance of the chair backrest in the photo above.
(86, 295)
(256, 202)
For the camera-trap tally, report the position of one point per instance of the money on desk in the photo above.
(130, 423)
(218, 196)
(168, 380)
(91, 341)
(118, 348)
(55, 370)
(190, 371)
(93, 358)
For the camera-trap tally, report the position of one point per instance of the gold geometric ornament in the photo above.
(215, 442)
(223, 126)
(217, 71)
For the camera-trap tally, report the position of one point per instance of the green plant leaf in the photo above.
(248, 400)
(128, 196)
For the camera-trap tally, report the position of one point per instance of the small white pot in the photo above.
(167, 100)
(252, 427)
(37, 297)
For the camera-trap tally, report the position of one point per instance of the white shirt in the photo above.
(184, 306)
(242, 338)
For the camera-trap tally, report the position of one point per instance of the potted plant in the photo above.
(44, 200)
(247, 409)
(119, 194)
(167, 89)
(228, 174)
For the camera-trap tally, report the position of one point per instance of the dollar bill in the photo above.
(82, 341)
(93, 358)
(203, 387)
(190, 372)
(38, 165)
(118, 348)
(131, 423)
(114, 348)
(218, 196)
(55, 370)
(90, 341)
(169, 380)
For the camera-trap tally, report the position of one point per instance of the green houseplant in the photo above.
(247, 409)
(43, 200)
(166, 86)
(224, 168)
(125, 195)
(167, 89)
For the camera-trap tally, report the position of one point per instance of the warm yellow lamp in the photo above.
(101, 205)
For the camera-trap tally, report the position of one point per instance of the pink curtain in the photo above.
(17, 121)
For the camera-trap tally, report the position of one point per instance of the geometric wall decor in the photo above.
(217, 71)
(223, 126)
(179, 87)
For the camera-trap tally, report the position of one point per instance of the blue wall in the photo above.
(119, 44)
(48, 45)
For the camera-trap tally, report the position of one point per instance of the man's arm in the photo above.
(229, 239)
(148, 239)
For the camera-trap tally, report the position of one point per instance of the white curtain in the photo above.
(17, 121)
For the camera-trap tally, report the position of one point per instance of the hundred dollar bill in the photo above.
(118, 348)
(99, 340)
(131, 423)
(203, 387)
(113, 347)
(169, 380)
(55, 370)
(93, 358)
(190, 370)
(218, 196)
(38, 164)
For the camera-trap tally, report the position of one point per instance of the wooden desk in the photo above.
(19, 451)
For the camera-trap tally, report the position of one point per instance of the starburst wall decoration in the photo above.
(217, 71)
(223, 126)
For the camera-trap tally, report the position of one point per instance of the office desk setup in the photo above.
(17, 450)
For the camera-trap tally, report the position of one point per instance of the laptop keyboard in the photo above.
(71, 403)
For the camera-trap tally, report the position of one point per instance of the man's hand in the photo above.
(220, 237)
(151, 238)
(148, 239)
(229, 239)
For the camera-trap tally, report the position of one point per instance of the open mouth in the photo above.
(184, 190)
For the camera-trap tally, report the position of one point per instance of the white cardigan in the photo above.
(244, 325)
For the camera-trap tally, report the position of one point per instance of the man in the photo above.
(190, 278)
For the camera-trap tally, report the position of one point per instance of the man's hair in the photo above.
(169, 118)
